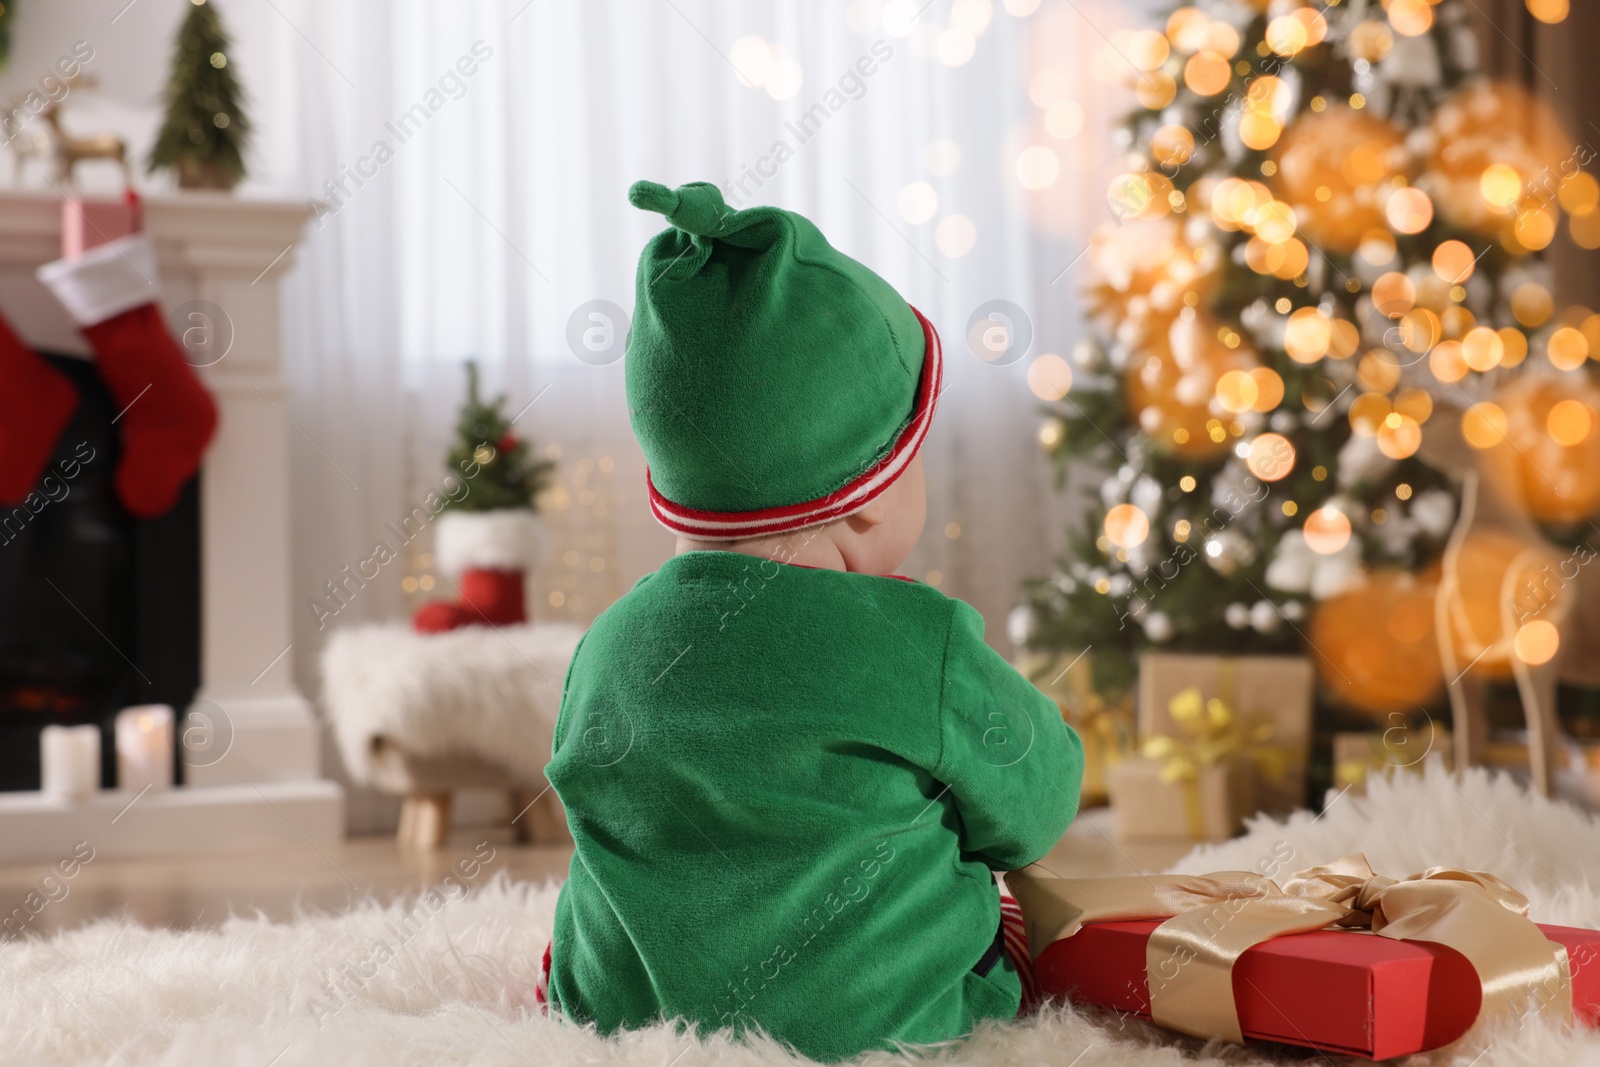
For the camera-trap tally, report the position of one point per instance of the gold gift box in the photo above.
(1275, 690)
(1210, 806)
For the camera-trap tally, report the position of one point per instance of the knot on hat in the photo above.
(696, 208)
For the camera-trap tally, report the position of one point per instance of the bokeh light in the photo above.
(1551, 11)
(1394, 294)
(1377, 247)
(1368, 412)
(1454, 262)
(956, 46)
(1484, 425)
(785, 79)
(752, 60)
(1414, 404)
(1537, 642)
(1569, 423)
(955, 235)
(1501, 186)
(1063, 119)
(1327, 530)
(1420, 330)
(1237, 391)
(1482, 349)
(1148, 49)
(1532, 304)
(1186, 29)
(1171, 145)
(1411, 18)
(1515, 344)
(1579, 193)
(1306, 335)
(1271, 457)
(1409, 210)
(1037, 167)
(1207, 73)
(1156, 89)
(1399, 437)
(1269, 389)
(1447, 362)
(1127, 526)
(1049, 377)
(1567, 348)
(917, 202)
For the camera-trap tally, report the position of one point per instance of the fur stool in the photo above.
(422, 715)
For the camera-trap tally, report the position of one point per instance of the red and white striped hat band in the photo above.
(846, 500)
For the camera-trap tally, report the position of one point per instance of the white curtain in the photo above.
(475, 227)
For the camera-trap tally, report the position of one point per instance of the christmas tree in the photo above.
(507, 475)
(206, 133)
(6, 11)
(1324, 273)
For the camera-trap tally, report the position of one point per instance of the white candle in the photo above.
(144, 747)
(69, 761)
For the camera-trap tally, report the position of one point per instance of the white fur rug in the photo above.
(455, 986)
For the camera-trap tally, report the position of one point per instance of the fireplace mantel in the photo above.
(229, 253)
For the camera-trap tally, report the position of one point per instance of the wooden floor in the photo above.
(183, 892)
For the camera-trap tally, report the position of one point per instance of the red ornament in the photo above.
(506, 443)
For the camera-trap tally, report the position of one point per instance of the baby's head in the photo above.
(779, 389)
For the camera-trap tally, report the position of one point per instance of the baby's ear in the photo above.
(868, 517)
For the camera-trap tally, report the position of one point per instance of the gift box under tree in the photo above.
(1269, 697)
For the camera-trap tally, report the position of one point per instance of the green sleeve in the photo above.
(1010, 761)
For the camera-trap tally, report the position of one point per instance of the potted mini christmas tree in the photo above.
(487, 537)
(206, 133)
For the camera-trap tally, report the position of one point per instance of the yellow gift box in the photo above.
(1151, 802)
(1270, 692)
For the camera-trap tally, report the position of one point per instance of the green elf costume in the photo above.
(788, 788)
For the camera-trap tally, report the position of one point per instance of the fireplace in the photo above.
(99, 611)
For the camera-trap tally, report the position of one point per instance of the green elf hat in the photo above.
(773, 382)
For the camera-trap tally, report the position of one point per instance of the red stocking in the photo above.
(491, 551)
(35, 404)
(166, 416)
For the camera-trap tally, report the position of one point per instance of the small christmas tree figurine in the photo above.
(508, 475)
(487, 535)
(206, 132)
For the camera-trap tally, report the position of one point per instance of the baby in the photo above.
(790, 773)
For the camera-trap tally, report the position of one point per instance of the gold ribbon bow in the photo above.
(1214, 733)
(1211, 920)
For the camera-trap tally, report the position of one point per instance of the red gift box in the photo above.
(1342, 991)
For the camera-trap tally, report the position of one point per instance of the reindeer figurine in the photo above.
(70, 150)
(26, 141)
